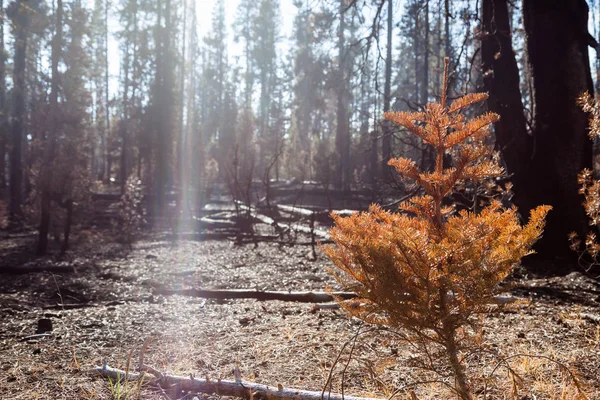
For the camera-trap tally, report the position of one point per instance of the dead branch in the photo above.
(302, 297)
(30, 269)
(285, 227)
(240, 388)
(36, 336)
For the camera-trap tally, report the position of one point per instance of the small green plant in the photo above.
(122, 389)
(431, 270)
(115, 388)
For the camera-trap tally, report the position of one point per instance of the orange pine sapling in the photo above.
(589, 257)
(429, 269)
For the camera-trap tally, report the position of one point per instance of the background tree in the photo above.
(545, 160)
(19, 14)
(3, 104)
(51, 138)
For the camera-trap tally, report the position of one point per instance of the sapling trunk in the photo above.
(461, 386)
(449, 339)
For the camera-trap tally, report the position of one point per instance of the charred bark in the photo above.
(558, 53)
(50, 149)
(386, 139)
(18, 11)
(545, 162)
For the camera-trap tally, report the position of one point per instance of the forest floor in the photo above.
(271, 342)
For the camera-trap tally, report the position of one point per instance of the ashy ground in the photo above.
(111, 311)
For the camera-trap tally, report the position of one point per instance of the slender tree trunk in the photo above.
(21, 23)
(448, 337)
(374, 161)
(438, 54)
(3, 108)
(136, 75)
(50, 148)
(417, 45)
(427, 153)
(424, 98)
(107, 147)
(190, 127)
(181, 139)
(342, 137)
(386, 140)
(448, 39)
(501, 81)
(124, 168)
(159, 109)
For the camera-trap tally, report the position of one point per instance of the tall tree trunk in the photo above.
(190, 123)
(50, 148)
(425, 67)
(427, 153)
(386, 140)
(134, 112)
(557, 46)
(107, 147)
(124, 168)
(416, 48)
(438, 54)
(544, 165)
(159, 173)
(21, 24)
(501, 81)
(3, 108)
(163, 103)
(448, 39)
(181, 140)
(342, 137)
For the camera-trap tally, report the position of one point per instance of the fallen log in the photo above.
(285, 227)
(302, 297)
(214, 223)
(238, 388)
(305, 212)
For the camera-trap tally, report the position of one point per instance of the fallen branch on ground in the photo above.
(239, 388)
(285, 227)
(302, 297)
(75, 306)
(30, 269)
(36, 336)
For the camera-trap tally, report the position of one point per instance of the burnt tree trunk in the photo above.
(50, 148)
(386, 139)
(3, 109)
(342, 136)
(558, 52)
(545, 163)
(20, 17)
(501, 81)
(428, 152)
